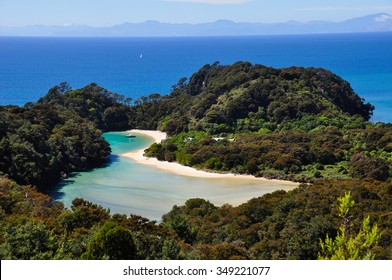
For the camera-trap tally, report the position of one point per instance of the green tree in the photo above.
(170, 249)
(369, 167)
(111, 242)
(177, 221)
(31, 241)
(348, 246)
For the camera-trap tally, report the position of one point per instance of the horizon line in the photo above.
(66, 25)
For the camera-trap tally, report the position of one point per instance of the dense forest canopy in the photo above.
(61, 133)
(292, 123)
(107, 110)
(245, 97)
(303, 124)
(40, 144)
(279, 225)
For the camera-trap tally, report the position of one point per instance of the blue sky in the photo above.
(111, 12)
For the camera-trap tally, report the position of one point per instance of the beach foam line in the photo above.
(179, 169)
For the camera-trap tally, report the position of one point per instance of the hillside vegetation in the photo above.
(303, 124)
(295, 123)
(39, 145)
(253, 98)
(60, 134)
(279, 225)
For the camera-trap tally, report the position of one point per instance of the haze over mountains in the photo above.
(381, 22)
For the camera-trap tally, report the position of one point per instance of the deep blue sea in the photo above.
(140, 66)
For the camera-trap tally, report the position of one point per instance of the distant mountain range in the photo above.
(373, 23)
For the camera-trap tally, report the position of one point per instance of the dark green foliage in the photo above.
(59, 134)
(43, 142)
(108, 111)
(33, 226)
(279, 225)
(29, 241)
(246, 97)
(369, 167)
(295, 155)
(84, 214)
(286, 225)
(291, 123)
(111, 242)
(179, 223)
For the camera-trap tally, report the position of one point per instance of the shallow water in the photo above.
(127, 187)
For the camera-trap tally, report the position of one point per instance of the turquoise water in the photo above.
(126, 187)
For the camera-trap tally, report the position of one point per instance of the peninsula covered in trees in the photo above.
(294, 123)
(302, 124)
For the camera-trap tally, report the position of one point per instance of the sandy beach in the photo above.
(148, 187)
(179, 169)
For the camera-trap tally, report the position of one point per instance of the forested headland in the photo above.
(302, 124)
(295, 123)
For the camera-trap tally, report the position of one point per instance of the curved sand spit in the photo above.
(177, 168)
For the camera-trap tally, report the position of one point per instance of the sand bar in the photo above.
(179, 169)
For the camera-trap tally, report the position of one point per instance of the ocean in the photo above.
(134, 67)
(140, 66)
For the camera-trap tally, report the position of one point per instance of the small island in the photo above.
(305, 125)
